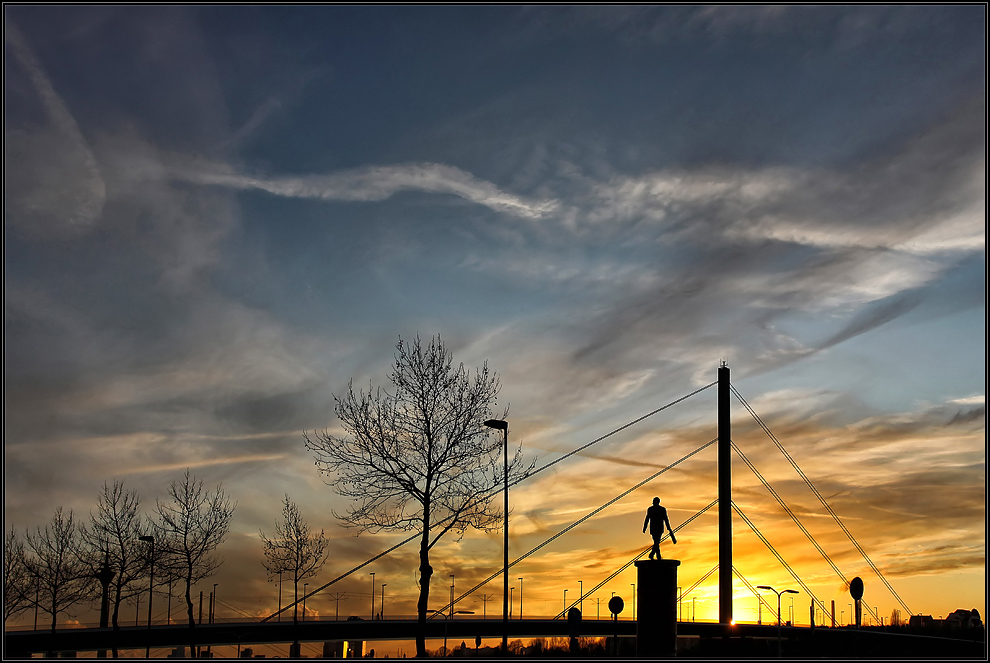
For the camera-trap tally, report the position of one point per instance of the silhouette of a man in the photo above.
(656, 518)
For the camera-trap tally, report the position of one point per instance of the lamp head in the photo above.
(149, 539)
(499, 424)
(764, 587)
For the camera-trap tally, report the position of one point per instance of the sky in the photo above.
(215, 217)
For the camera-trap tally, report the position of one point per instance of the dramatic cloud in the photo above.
(216, 217)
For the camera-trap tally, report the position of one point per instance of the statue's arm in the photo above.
(647, 521)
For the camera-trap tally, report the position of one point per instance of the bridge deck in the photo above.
(23, 643)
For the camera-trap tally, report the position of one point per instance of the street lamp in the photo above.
(382, 613)
(786, 591)
(520, 598)
(634, 601)
(372, 595)
(565, 600)
(581, 600)
(305, 585)
(512, 599)
(451, 594)
(151, 583)
(447, 618)
(213, 608)
(502, 425)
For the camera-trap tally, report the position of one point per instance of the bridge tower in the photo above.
(724, 498)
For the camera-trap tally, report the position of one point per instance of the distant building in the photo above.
(921, 621)
(963, 619)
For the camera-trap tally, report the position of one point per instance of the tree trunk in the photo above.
(189, 612)
(426, 572)
(115, 622)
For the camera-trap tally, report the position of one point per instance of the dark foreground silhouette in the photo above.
(656, 518)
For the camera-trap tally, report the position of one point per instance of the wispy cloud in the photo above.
(374, 183)
(79, 197)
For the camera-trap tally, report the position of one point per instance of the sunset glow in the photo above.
(216, 217)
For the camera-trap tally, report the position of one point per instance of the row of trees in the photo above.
(421, 457)
(115, 554)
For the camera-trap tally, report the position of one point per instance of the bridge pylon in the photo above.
(724, 498)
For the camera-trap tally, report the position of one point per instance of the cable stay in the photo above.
(698, 582)
(821, 499)
(576, 523)
(492, 493)
(632, 561)
(753, 589)
(790, 513)
(779, 558)
(617, 430)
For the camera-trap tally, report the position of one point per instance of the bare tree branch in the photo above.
(295, 549)
(419, 456)
(16, 578)
(56, 565)
(188, 530)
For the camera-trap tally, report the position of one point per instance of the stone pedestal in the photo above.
(656, 607)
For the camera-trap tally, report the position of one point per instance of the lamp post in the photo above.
(511, 599)
(150, 540)
(37, 598)
(305, 585)
(279, 598)
(520, 599)
(581, 599)
(104, 576)
(213, 608)
(382, 613)
(372, 595)
(502, 425)
(634, 601)
(447, 618)
(565, 600)
(785, 591)
(451, 594)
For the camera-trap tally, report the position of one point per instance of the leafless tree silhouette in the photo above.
(111, 537)
(295, 549)
(188, 530)
(54, 559)
(420, 458)
(16, 579)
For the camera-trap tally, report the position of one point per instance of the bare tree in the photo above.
(112, 538)
(295, 549)
(420, 458)
(64, 579)
(188, 530)
(16, 579)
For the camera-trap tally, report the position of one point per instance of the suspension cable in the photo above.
(777, 555)
(494, 492)
(698, 582)
(578, 522)
(617, 430)
(790, 513)
(821, 499)
(633, 560)
(752, 589)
